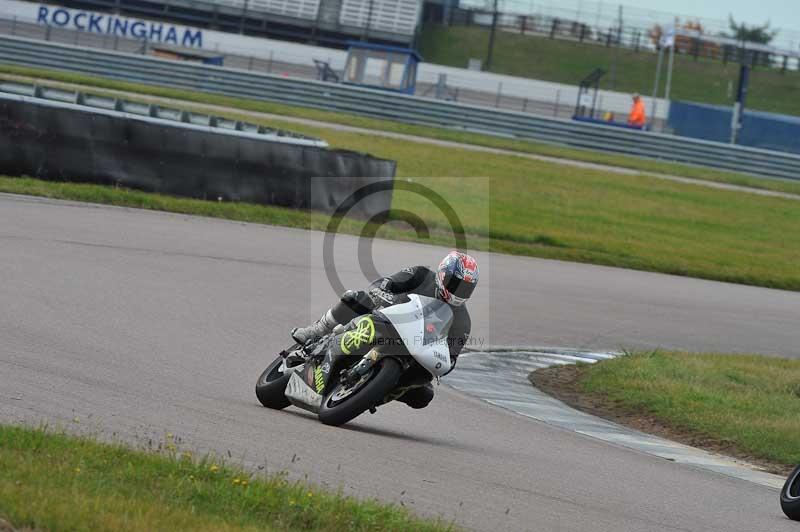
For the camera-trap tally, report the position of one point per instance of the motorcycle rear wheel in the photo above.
(271, 386)
(790, 495)
(379, 382)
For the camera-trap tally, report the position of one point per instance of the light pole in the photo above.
(491, 38)
(741, 97)
(671, 64)
(655, 85)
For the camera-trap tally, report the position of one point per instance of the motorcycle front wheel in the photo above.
(344, 403)
(271, 385)
(790, 495)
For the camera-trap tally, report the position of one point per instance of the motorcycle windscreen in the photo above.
(435, 354)
(438, 318)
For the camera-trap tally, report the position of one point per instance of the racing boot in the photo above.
(418, 397)
(318, 329)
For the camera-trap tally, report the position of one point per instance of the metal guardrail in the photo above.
(157, 113)
(408, 109)
(470, 87)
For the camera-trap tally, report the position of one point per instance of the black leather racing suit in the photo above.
(415, 280)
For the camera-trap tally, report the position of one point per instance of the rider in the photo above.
(453, 282)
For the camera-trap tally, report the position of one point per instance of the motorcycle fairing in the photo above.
(420, 325)
(301, 395)
(411, 321)
(328, 359)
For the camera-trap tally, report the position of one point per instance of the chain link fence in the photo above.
(564, 45)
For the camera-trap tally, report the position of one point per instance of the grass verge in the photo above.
(521, 146)
(741, 405)
(51, 481)
(532, 208)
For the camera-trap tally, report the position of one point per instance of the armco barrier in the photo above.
(171, 115)
(380, 104)
(61, 141)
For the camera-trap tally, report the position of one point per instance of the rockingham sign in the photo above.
(119, 26)
(166, 33)
(104, 24)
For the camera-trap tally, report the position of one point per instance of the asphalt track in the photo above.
(141, 323)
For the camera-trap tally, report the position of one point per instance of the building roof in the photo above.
(385, 48)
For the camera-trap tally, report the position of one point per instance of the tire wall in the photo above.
(69, 143)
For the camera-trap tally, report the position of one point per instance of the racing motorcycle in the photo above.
(372, 360)
(790, 495)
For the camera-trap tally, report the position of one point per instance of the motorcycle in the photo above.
(372, 360)
(790, 495)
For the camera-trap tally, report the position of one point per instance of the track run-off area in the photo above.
(129, 324)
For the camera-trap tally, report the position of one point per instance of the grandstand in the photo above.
(328, 22)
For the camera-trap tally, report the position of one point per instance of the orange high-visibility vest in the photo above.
(637, 116)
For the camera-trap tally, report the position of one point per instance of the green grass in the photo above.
(521, 146)
(748, 401)
(569, 62)
(538, 209)
(51, 481)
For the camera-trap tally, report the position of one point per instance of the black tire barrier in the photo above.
(790, 495)
(65, 142)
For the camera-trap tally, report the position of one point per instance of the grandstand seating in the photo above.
(330, 22)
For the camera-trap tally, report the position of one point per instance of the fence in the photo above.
(613, 24)
(383, 105)
(296, 60)
(560, 50)
(713, 122)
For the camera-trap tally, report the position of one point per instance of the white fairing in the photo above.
(409, 321)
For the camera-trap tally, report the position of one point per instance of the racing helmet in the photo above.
(456, 278)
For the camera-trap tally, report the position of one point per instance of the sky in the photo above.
(784, 14)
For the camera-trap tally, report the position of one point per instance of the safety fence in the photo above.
(611, 24)
(768, 131)
(384, 105)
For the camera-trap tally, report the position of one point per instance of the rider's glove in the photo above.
(359, 301)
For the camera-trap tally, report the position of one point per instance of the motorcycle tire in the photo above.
(382, 380)
(790, 495)
(271, 386)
